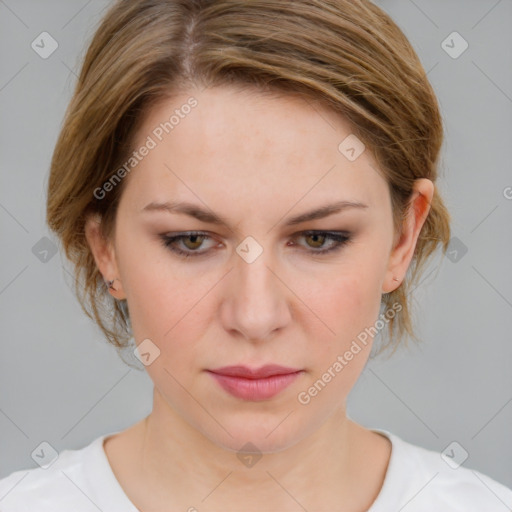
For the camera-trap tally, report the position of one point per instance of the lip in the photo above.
(255, 384)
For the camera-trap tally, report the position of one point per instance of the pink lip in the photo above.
(255, 384)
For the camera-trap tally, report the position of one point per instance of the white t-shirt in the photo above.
(417, 480)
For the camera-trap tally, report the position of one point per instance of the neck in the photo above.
(341, 464)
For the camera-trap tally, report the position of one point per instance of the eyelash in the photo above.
(341, 238)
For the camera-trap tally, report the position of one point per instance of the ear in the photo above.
(403, 251)
(104, 255)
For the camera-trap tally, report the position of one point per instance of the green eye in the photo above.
(319, 238)
(196, 241)
(192, 241)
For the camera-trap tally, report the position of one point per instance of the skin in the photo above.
(237, 152)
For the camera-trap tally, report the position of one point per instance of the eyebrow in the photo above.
(212, 218)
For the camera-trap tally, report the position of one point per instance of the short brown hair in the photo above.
(348, 54)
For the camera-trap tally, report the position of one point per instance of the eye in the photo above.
(192, 241)
(318, 238)
(196, 239)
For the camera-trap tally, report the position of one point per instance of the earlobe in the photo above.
(403, 251)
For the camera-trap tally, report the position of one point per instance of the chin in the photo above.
(267, 432)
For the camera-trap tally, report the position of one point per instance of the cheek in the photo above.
(348, 303)
(348, 300)
(349, 307)
(168, 310)
(337, 302)
(160, 300)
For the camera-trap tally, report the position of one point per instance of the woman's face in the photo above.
(257, 290)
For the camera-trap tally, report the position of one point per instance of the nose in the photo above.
(256, 304)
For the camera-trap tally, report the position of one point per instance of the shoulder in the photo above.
(61, 485)
(421, 480)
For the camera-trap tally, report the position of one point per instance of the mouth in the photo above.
(254, 384)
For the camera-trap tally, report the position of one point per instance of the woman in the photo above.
(248, 190)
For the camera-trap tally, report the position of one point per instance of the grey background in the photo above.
(61, 383)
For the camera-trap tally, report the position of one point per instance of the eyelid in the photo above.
(340, 239)
(170, 238)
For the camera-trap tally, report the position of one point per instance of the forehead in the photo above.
(245, 144)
